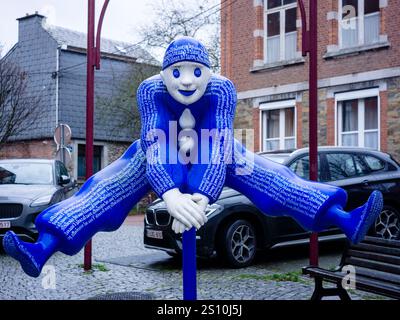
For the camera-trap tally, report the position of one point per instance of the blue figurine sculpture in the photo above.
(186, 154)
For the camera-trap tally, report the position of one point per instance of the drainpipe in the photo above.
(56, 75)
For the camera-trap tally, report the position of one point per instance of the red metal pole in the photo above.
(313, 128)
(89, 113)
(98, 35)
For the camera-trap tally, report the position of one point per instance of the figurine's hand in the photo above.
(178, 227)
(202, 201)
(183, 208)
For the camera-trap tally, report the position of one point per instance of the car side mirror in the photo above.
(64, 180)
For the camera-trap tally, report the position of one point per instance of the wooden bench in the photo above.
(377, 270)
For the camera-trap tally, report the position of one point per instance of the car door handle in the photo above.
(365, 182)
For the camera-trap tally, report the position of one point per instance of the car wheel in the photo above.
(387, 225)
(237, 244)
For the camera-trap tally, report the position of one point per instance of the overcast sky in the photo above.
(119, 24)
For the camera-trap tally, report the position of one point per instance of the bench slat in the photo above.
(375, 256)
(362, 282)
(376, 248)
(373, 265)
(378, 275)
(378, 287)
(384, 242)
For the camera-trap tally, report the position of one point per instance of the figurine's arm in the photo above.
(154, 119)
(206, 180)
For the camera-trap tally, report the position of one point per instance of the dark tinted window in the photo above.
(371, 6)
(361, 166)
(290, 20)
(341, 166)
(274, 26)
(63, 170)
(374, 163)
(301, 167)
(347, 11)
(97, 151)
(274, 3)
(277, 3)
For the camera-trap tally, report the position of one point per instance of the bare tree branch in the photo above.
(178, 18)
(121, 105)
(18, 109)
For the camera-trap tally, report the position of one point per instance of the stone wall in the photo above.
(393, 117)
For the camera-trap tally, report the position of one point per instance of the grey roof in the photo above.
(77, 39)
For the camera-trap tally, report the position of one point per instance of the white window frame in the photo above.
(361, 20)
(282, 18)
(359, 94)
(75, 146)
(277, 105)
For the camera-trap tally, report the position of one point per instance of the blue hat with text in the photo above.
(186, 49)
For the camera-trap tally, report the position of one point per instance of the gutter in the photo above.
(57, 84)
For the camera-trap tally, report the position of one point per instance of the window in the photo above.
(278, 125)
(341, 166)
(301, 167)
(374, 164)
(360, 22)
(358, 122)
(97, 160)
(345, 166)
(280, 30)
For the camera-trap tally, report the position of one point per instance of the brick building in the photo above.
(359, 72)
(54, 60)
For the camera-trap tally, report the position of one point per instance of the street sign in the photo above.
(62, 134)
(62, 137)
(64, 155)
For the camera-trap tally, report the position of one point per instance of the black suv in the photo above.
(236, 228)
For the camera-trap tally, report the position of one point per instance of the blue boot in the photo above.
(31, 256)
(356, 223)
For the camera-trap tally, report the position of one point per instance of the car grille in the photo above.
(158, 217)
(10, 210)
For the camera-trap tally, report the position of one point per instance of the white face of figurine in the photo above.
(186, 81)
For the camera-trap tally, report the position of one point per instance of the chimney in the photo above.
(27, 25)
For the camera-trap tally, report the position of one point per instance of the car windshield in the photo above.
(26, 173)
(280, 158)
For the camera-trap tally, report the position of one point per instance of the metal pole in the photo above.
(89, 113)
(93, 60)
(313, 128)
(189, 268)
(62, 142)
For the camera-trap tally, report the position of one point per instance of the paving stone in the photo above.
(133, 268)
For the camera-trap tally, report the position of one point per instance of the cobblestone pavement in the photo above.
(122, 264)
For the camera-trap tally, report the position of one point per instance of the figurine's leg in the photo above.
(277, 191)
(102, 204)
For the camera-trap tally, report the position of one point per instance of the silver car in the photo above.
(27, 187)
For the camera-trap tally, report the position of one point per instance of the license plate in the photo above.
(5, 224)
(156, 234)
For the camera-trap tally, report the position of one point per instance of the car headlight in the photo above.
(212, 208)
(41, 201)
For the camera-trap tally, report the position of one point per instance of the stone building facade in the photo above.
(54, 60)
(359, 72)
